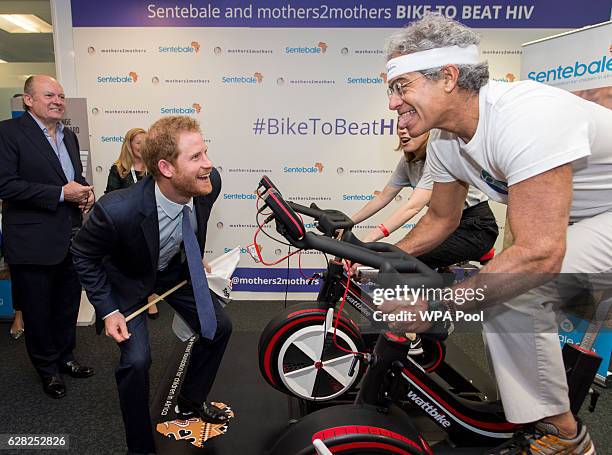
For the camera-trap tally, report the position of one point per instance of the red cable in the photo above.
(348, 282)
(259, 251)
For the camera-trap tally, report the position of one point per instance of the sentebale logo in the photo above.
(256, 78)
(320, 48)
(357, 197)
(317, 168)
(239, 196)
(192, 48)
(578, 69)
(195, 108)
(365, 80)
(130, 78)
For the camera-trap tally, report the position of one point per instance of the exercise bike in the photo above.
(299, 356)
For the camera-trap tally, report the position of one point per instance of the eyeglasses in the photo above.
(397, 88)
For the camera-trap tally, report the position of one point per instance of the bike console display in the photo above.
(286, 218)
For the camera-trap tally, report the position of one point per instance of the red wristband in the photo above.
(384, 230)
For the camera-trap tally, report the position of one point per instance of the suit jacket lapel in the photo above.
(36, 136)
(150, 224)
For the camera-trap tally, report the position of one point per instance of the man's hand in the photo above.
(85, 204)
(116, 327)
(405, 308)
(206, 265)
(75, 192)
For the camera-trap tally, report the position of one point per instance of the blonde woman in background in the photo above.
(127, 170)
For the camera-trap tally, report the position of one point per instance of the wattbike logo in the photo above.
(195, 108)
(130, 78)
(193, 48)
(578, 69)
(429, 409)
(320, 48)
(355, 303)
(316, 169)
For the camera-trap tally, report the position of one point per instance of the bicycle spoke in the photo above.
(310, 344)
(303, 380)
(339, 367)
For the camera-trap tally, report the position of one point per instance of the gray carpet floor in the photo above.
(90, 411)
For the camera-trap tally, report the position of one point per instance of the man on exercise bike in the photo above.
(546, 154)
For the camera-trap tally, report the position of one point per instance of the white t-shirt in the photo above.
(406, 173)
(525, 129)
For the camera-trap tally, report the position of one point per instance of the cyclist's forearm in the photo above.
(394, 222)
(373, 206)
(511, 273)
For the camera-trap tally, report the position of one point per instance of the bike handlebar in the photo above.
(388, 258)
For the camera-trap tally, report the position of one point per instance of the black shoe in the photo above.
(54, 386)
(208, 412)
(76, 370)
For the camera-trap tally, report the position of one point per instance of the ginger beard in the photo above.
(192, 168)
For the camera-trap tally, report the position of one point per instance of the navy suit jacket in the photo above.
(36, 226)
(116, 252)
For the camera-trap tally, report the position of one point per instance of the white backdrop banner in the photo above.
(294, 90)
(578, 61)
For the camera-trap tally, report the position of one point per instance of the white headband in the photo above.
(432, 58)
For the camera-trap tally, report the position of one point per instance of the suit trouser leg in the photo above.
(65, 309)
(49, 297)
(206, 355)
(132, 376)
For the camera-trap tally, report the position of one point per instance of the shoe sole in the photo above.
(183, 415)
(16, 335)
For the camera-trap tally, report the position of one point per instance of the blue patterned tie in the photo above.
(203, 299)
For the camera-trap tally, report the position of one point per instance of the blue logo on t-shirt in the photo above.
(497, 185)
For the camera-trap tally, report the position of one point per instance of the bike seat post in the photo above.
(329, 290)
(386, 352)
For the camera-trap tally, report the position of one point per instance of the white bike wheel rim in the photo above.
(309, 340)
